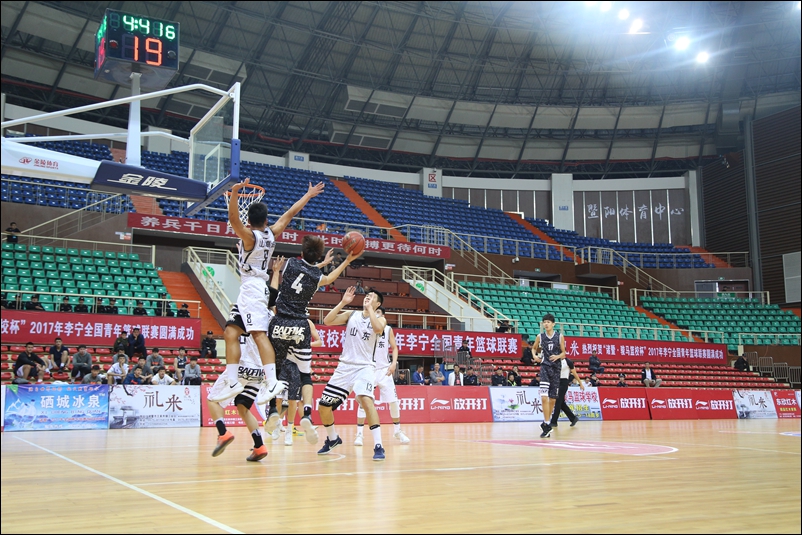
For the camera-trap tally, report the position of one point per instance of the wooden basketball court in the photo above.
(639, 476)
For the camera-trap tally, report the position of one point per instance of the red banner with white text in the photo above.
(671, 403)
(786, 403)
(713, 404)
(580, 348)
(20, 327)
(217, 228)
(624, 403)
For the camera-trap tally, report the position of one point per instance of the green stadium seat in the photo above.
(110, 255)
(20, 248)
(97, 254)
(8, 246)
(86, 253)
(73, 252)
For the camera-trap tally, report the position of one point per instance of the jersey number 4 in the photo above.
(297, 284)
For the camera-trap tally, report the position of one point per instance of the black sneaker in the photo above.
(330, 445)
(546, 430)
(574, 421)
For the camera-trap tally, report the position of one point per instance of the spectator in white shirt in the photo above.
(163, 379)
(118, 370)
(456, 378)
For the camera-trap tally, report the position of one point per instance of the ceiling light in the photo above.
(623, 14)
(591, 4)
(606, 6)
(637, 25)
(702, 57)
(682, 43)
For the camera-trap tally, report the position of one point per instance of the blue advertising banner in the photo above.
(121, 178)
(56, 406)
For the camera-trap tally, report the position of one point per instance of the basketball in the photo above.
(354, 243)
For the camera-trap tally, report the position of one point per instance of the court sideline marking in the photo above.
(181, 508)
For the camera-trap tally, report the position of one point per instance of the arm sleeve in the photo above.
(271, 301)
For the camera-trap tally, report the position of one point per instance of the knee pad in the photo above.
(330, 401)
(544, 389)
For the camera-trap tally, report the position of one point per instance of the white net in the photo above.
(247, 195)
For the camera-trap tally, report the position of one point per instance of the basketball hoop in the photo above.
(248, 195)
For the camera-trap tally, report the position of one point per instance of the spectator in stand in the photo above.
(34, 304)
(503, 326)
(470, 378)
(403, 377)
(136, 344)
(519, 381)
(648, 377)
(622, 381)
(59, 355)
(112, 307)
(337, 261)
(535, 380)
(122, 353)
(594, 364)
(184, 312)
(162, 378)
(94, 377)
(139, 310)
(81, 306)
(29, 366)
(464, 349)
(121, 343)
(81, 363)
(12, 230)
(180, 363)
(593, 380)
(147, 373)
(527, 358)
(134, 377)
(436, 376)
(65, 305)
(511, 380)
(741, 364)
(456, 378)
(100, 308)
(155, 361)
(209, 346)
(359, 288)
(163, 307)
(192, 373)
(417, 377)
(498, 379)
(118, 371)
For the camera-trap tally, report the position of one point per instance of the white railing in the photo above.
(218, 295)
(763, 339)
(734, 297)
(611, 291)
(125, 305)
(611, 257)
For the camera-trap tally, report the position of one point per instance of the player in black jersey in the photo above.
(289, 331)
(552, 343)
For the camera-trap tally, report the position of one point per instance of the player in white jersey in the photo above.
(357, 367)
(251, 368)
(386, 362)
(250, 314)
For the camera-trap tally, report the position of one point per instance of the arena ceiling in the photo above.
(495, 89)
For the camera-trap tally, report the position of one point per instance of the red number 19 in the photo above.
(153, 46)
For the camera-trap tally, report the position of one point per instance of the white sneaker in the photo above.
(288, 439)
(309, 430)
(402, 437)
(272, 422)
(266, 393)
(228, 391)
(358, 440)
(276, 434)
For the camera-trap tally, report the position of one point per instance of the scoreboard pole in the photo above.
(133, 148)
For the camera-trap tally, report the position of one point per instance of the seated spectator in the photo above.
(121, 343)
(112, 306)
(147, 373)
(742, 365)
(163, 307)
(118, 371)
(65, 305)
(161, 378)
(139, 309)
(593, 380)
(511, 380)
(136, 344)
(359, 288)
(622, 381)
(470, 378)
(12, 230)
(122, 353)
(519, 381)
(436, 376)
(648, 376)
(29, 366)
(535, 380)
(59, 355)
(34, 304)
(155, 361)
(594, 363)
(134, 377)
(81, 307)
(100, 308)
(94, 377)
(184, 312)
(417, 377)
(209, 346)
(456, 378)
(192, 372)
(498, 378)
(403, 377)
(180, 363)
(527, 358)
(503, 326)
(81, 363)
(464, 349)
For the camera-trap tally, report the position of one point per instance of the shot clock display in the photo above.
(127, 43)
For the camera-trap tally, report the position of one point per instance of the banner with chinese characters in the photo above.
(127, 179)
(20, 327)
(515, 404)
(624, 403)
(230, 415)
(141, 406)
(3, 405)
(785, 401)
(671, 403)
(218, 228)
(421, 342)
(56, 406)
(585, 404)
(751, 404)
(580, 348)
